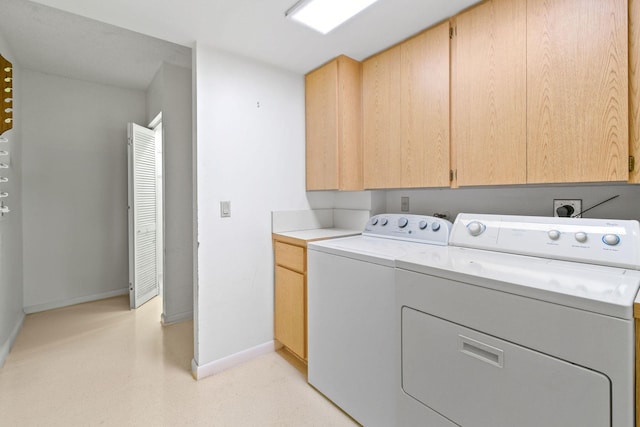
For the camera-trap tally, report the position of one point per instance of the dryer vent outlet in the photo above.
(567, 208)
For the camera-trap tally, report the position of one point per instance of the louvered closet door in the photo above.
(143, 268)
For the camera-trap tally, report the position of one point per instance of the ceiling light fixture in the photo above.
(325, 15)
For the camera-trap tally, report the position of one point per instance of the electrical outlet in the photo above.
(572, 207)
(404, 204)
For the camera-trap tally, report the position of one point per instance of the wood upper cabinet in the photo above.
(540, 92)
(333, 105)
(406, 113)
(424, 95)
(634, 95)
(381, 119)
(577, 89)
(488, 94)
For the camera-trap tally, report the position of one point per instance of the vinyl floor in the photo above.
(100, 364)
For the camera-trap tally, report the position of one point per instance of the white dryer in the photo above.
(351, 312)
(524, 321)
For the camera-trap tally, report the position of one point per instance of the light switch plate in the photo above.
(225, 209)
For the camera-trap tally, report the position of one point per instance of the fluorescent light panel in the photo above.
(325, 15)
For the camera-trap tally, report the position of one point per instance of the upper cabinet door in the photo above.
(333, 109)
(381, 120)
(406, 113)
(577, 84)
(634, 91)
(321, 109)
(488, 94)
(424, 83)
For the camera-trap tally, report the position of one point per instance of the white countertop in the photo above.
(319, 233)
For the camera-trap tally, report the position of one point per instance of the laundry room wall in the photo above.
(250, 151)
(521, 200)
(75, 188)
(11, 303)
(170, 93)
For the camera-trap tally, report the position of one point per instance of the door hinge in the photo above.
(451, 175)
(452, 32)
(632, 163)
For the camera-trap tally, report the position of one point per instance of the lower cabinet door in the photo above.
(478, 380)
(290, 310)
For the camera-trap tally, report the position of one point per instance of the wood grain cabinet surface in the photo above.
(333, 109)
(514, 92)
(290, 294)
(540, 92)
(634, 87)
(405, 99)
(488, 94)
(577, 91)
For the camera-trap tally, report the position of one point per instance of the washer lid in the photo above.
(600, 289)
(369, 249)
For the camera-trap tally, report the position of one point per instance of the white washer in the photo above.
(351, 312)
(524, 321)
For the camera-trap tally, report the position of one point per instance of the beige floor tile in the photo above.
(100, 364)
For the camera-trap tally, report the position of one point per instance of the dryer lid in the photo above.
(601, 289)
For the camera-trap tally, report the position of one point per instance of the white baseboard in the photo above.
(5, 348)
(73, 301)
(212, 368)
(176, 318)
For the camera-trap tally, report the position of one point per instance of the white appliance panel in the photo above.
(351, 322)
(367, 248)
(477, 380)
(351, 313)
(593, 241)
(600, 289)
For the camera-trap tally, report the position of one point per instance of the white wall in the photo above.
(75, 188)
(518, 200)
(250, 145)
(170, 93)
(11, 313)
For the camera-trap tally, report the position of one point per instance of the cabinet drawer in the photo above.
(290, 256)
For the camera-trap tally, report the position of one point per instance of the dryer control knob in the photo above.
(611, 239)
(402, 222)
(374, 221)
(384, 221)
(581, 236)
(423, 224)
(475, 228)
(554, 234)
(435, 226)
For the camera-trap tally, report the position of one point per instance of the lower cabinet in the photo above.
(290, 310)
(290, 302)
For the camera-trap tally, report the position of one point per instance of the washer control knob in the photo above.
(384, 221)
(554, 234)
(423, 224)
(374, 220)
(475, 228)
(435, 226)
(611, 239)
(581, 236)
(402, 222)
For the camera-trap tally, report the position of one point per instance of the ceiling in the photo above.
(100, 49)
